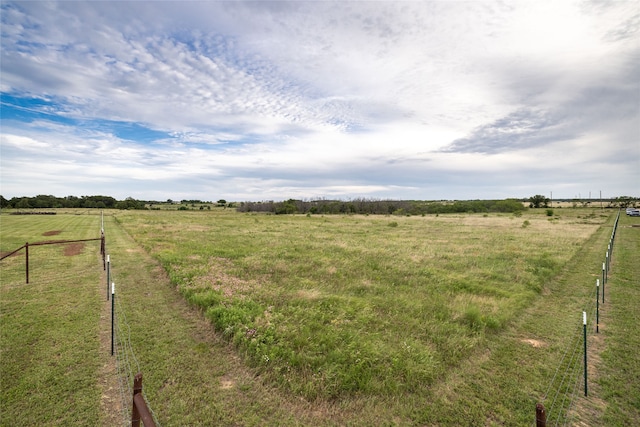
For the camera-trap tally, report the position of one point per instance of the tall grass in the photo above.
(331, 306)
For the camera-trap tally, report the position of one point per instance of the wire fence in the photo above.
(571, 374)
(126, 361)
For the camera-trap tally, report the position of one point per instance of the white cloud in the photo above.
(396, 99)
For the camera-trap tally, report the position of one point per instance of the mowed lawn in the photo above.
(345, 320)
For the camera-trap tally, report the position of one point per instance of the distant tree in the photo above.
(538, 201)
(130, 203)
(288, 207)
(71, 202)
(624, 201)
(4, 203)
(222, 203)
(23, 203)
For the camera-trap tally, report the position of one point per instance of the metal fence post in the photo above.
(113, 314)
(137, 389)
(26, 256)
(103, 251)
(140, 410)
(541, 416)
(108, 275)
(597, 306)
(604, 279)
(584, 322)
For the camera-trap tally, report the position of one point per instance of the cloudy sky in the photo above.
(274, 100)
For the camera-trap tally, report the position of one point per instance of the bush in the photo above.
(549, 212)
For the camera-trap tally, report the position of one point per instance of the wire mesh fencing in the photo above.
(571, 375)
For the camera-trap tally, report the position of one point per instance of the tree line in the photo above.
(381, 207)
(320, 206)
(89, 202)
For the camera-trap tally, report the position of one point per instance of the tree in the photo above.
(23, 203)
(538, 201)
(624, 201)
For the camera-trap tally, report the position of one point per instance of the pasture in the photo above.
(327, 320)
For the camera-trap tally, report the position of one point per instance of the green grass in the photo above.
(331, 307)
(49, 327)
(333, 320)
(620, 376)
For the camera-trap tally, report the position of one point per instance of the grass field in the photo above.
(359, 320)
(48, 329)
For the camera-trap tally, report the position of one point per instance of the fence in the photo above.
(567, 380)
(128, 370)
(53, 242)
(130, 385)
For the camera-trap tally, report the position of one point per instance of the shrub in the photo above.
(549, 212)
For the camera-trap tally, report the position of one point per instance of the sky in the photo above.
(261, 100)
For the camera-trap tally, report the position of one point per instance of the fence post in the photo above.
(108, 275)
(103, 250)
(541, 416)
(603, 282)
(597, 306)
(584, 323)
(137, 388)
(140, 410)
(113, 313)
(26, 256)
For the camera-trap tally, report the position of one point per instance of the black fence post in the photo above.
(113, 314)
(604, 279)
(584, 322)
(103, 251)
(108, 275)
(26, 256)
(597, 306)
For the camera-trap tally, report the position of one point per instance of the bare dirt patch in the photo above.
(534, 343)
(52, 233)
(73, 249)
(227, 383)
